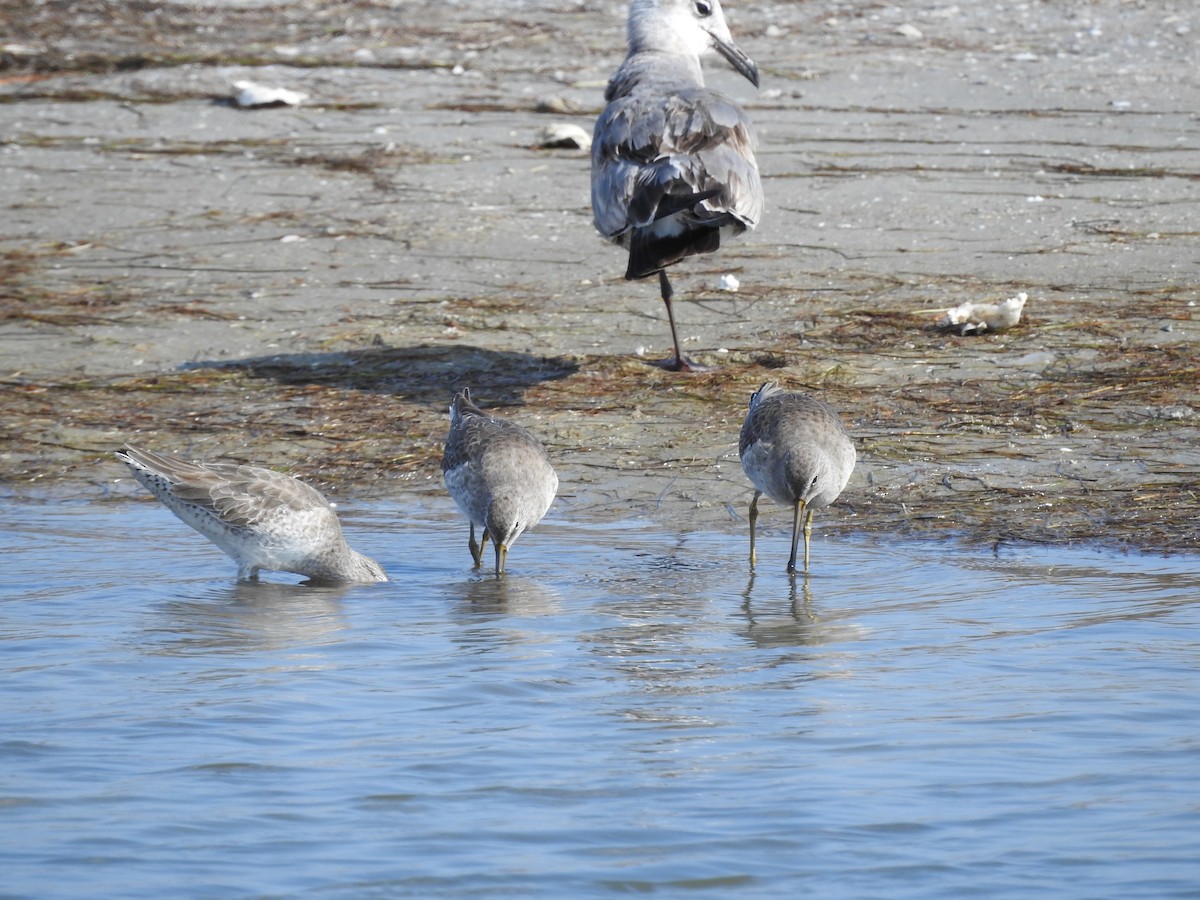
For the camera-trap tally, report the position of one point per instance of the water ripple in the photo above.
(630, 710)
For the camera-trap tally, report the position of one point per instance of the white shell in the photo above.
(978, 317)
(251, 95)
(563, 134)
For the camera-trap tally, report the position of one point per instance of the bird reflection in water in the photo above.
(767, 626)
(246, 616)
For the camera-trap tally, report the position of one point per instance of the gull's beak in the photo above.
(736, 58)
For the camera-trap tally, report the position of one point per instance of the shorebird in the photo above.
(261, 518)
(673, 169)
(499, 476)
(795, 450)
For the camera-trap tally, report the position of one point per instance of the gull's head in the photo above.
(692, 27)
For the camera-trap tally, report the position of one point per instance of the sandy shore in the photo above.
(306, 287)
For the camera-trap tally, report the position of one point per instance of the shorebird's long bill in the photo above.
(736, 58)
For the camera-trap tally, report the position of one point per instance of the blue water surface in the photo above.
(628, 711)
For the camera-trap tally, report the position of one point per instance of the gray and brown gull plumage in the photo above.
(264, 520)
(673, 167)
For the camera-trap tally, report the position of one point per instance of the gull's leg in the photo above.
(679, 363)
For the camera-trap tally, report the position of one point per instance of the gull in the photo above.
(499, 476)
(673, 169)
(262, 518)
(795, 450)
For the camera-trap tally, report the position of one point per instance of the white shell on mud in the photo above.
(251, 95)
(972, 318)
(563, 135)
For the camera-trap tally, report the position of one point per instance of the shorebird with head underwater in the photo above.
(262, 518)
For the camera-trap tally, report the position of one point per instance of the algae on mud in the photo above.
(305, 289)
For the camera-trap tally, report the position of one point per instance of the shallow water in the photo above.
(626, 712)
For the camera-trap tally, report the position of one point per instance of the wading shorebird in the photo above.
(499, 476)
(795, 450)
(673, 169)
(263, 519)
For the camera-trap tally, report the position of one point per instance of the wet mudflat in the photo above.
(304, 288)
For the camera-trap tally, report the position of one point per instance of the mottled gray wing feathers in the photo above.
(235, 495)
(475, 430)
(233, 492)
(785, 418)
(697, 142)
